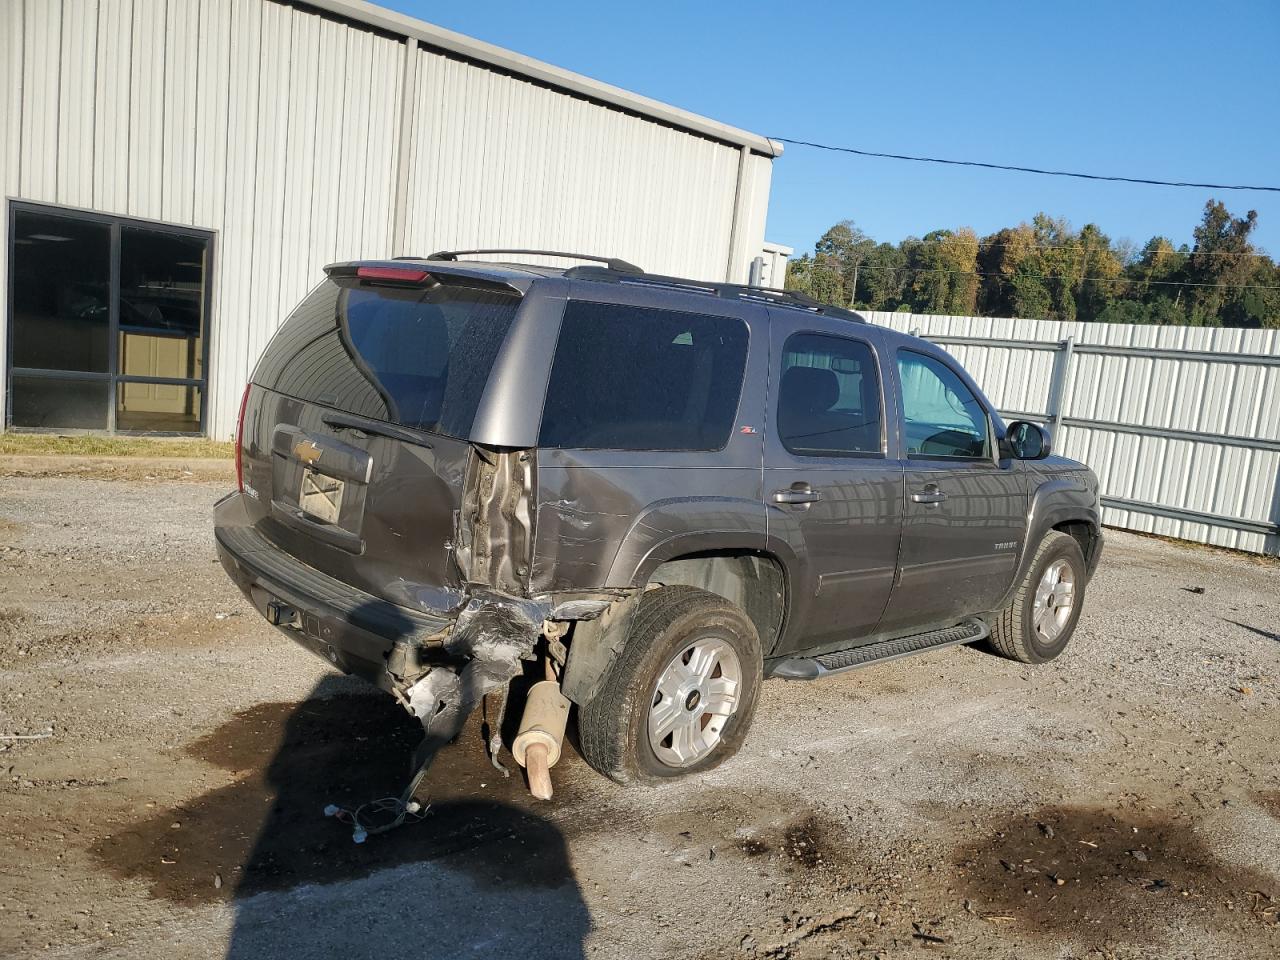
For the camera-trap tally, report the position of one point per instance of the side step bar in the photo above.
(813, 668)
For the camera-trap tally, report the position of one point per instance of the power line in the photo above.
(1036, 170)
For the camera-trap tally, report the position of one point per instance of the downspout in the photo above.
(736, 224)
(408, 103)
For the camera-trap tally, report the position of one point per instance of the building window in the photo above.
(108, 323)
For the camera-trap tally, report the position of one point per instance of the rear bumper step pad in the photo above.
(812, 668)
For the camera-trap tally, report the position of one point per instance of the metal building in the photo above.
(177, 172)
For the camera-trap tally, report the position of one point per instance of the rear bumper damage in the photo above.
(438, 664)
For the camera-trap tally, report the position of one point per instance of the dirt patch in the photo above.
(266, 829)
(11, 617)
(805, 844)
(1270, 802)
(1099, 874)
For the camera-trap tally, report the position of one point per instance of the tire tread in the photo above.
(1008, 627)
(602, 722)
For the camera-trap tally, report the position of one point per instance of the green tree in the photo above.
(883, 278)
(1222, 263)
(1013, 268)
(816, 277)
(944, 272)
(845, 247)
(1101, 273)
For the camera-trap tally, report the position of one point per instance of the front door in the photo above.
(832, 489)
(965, 510)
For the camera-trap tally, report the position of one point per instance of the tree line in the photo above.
(1047, 270)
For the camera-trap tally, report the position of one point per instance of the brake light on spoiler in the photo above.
(393, 274)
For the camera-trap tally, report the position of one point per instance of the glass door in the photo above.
(108, 324)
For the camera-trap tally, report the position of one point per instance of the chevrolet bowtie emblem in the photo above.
(307, 451)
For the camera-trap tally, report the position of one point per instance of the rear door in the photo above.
(650, 445)
(965, 509)
(831, 486)
(355, 450)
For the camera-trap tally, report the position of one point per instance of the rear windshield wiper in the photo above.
(347, 421)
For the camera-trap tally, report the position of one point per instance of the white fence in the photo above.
(1181, 424)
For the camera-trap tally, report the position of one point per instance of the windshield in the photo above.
(416, 357)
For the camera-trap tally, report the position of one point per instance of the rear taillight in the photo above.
(244, 402)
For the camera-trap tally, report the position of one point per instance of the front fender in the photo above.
(1056, 500)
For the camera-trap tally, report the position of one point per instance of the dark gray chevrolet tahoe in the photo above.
(647, 493)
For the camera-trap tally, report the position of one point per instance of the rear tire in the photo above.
(678, 634)
(1036, 625)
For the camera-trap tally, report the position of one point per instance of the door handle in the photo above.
(929, 495)
(797, 493)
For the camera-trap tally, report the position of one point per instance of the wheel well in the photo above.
(756, 582)
(1084, 534)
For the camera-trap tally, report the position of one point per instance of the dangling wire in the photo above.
(377, 816)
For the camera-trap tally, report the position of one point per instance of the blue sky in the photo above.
(1171, 90)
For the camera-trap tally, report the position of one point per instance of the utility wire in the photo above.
(1047, 173)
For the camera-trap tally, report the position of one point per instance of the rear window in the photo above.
(636, 378)
(416, 357)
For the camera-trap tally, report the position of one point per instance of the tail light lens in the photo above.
(244, 402)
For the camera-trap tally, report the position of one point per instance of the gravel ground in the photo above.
(1123, 801)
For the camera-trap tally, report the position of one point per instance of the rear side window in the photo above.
(829, 397)
(941, 416)
(636, 378)
(416, 357)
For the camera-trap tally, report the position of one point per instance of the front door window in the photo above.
(941, 416)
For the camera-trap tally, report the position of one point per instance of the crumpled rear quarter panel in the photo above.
(603, 517)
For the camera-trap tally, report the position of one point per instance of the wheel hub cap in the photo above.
(694, 698)
(1055, 599)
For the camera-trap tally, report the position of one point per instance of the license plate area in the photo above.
(320, 496)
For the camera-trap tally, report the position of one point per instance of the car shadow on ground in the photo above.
(479, 875)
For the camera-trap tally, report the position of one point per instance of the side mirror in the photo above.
(1026, 441)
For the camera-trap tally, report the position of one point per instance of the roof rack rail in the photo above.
(613, 263)
(734, 291)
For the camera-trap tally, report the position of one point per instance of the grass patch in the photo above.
(45, 444)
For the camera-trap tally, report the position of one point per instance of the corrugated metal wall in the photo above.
(280, 130)
(1192, 430)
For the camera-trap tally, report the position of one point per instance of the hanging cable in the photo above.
(1017, 169)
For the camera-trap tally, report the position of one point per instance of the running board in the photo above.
(813, 668)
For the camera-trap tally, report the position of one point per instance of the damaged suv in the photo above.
(647, 493)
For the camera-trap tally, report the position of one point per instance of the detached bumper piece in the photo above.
(812, 668)
(442, 684)
(491, 637)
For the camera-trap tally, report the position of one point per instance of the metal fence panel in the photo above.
(1181, 424)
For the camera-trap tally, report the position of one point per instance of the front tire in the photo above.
(1039, 621)
(680, 695)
